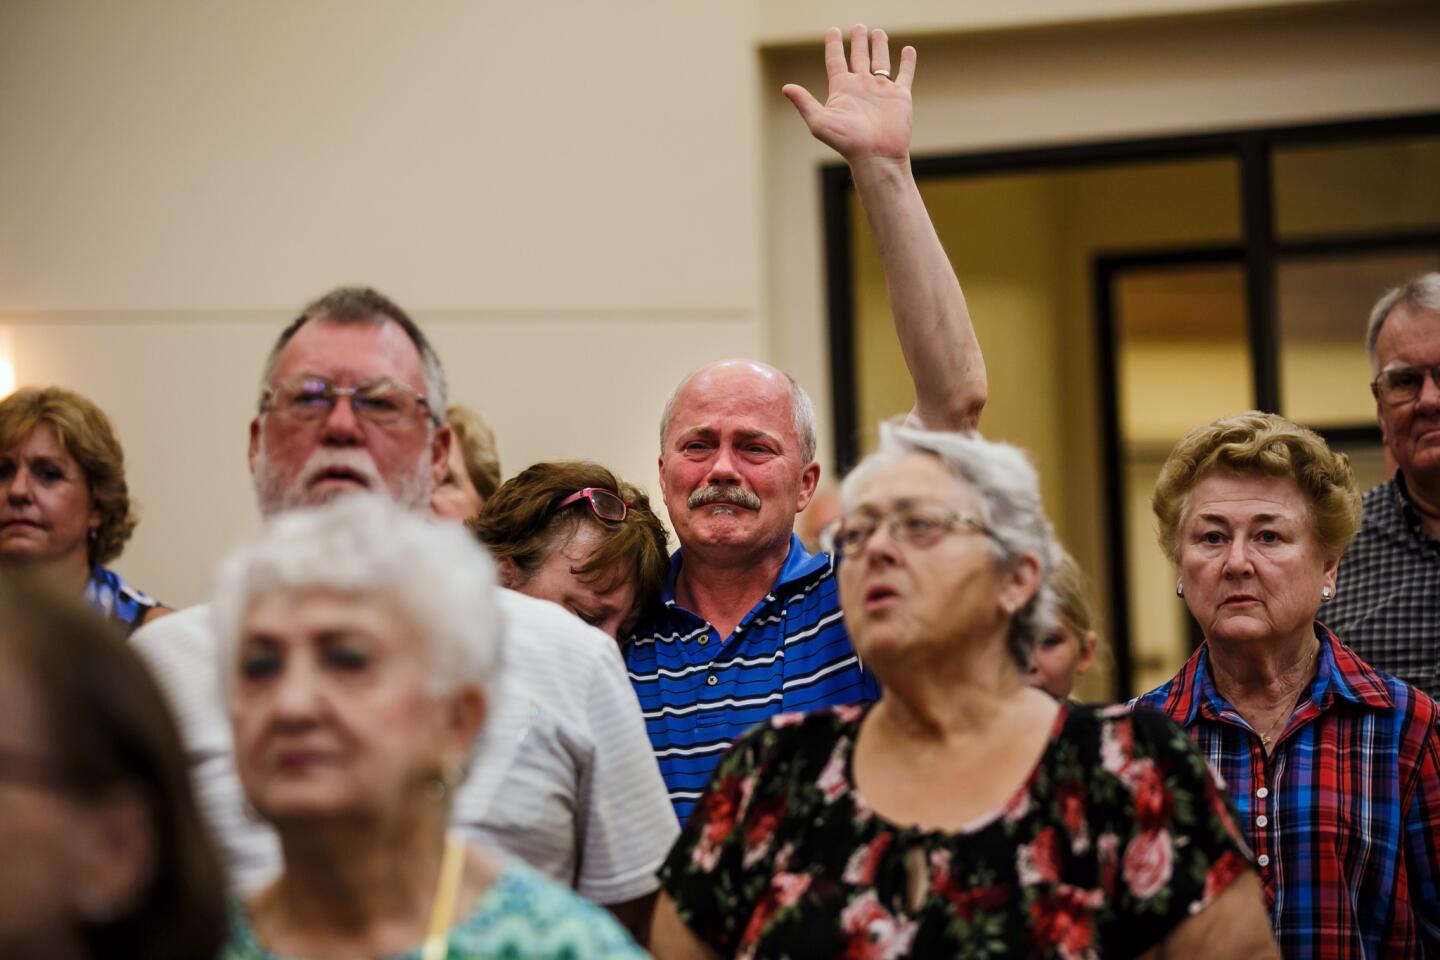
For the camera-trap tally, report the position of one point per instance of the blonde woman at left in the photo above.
(64, 505)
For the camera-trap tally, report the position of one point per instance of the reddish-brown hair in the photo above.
(520, 523)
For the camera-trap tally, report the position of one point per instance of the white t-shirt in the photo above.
(564, 777)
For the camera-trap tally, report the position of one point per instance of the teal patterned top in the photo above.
(522, 915)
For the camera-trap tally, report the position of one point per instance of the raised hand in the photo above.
(867, 110)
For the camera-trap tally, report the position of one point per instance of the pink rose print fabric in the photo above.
(1119, 834)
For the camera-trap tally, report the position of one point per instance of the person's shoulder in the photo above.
(1153, 699)
(1383, 493)
(1382, 512)
(179, 639)
(1414, 708)
(182, 651)
(525, 913)
(1123, 733)
(540, 629)
(192, 624)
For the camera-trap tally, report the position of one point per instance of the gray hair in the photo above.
(802, 413)
(434, 572)
(1009, 494)
(1418, 293)
(357, 305)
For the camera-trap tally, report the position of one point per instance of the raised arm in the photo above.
(866, 118)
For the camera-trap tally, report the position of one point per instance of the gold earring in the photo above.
(446, 781)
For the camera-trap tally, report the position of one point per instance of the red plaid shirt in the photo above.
(1344, 815)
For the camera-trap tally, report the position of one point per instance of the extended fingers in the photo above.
(859, 49)
(906, 76)
(879, 52)
(835, 53)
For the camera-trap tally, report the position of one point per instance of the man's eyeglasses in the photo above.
(605, 504)
(1397, 385)
(915, 525)
(383, 402)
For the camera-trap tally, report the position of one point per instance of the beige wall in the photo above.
(569, 203)
(579, 202)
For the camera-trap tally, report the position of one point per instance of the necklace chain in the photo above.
(1268, 736)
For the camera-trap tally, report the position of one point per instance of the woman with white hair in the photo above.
(965, 813)
(357, 644)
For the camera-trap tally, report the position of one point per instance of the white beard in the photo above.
(274, 495)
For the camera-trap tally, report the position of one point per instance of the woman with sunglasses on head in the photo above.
(65, 509)
(964, 813)
(571, 532)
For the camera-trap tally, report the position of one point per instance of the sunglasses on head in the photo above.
(605, 504)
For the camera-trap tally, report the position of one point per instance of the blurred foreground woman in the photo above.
(965, 813)
(357, 642)
(102, 853)
(64, 505)
(1333, 765)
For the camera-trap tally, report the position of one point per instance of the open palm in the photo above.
(865, 114)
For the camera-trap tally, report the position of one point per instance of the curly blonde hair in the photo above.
(1261, 444)
(84, 432)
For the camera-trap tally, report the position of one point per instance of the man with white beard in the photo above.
(353, 400)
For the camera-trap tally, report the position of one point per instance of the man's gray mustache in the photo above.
(723, 494)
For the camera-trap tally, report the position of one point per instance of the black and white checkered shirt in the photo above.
(1387, 605)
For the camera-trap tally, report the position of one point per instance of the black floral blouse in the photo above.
(1119, 834)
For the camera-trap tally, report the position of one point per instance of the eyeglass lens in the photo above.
(607, 506)
(1403, 384)
(382, 402)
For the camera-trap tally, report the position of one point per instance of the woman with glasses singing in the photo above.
(964, 813)
(64, 506)
(358, 641)
(1334, 766)
(572, 533)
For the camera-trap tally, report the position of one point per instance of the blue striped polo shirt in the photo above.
(699, 692)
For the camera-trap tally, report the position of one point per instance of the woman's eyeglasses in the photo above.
(915, 525)
(605, 504)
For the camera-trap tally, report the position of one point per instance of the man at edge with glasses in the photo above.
(1387, 604)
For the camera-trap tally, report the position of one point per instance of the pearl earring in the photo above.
(1179, 589)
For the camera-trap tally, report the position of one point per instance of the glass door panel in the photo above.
(1322, 306)
(1373, 186)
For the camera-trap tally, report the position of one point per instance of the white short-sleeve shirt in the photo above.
(564, 777)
